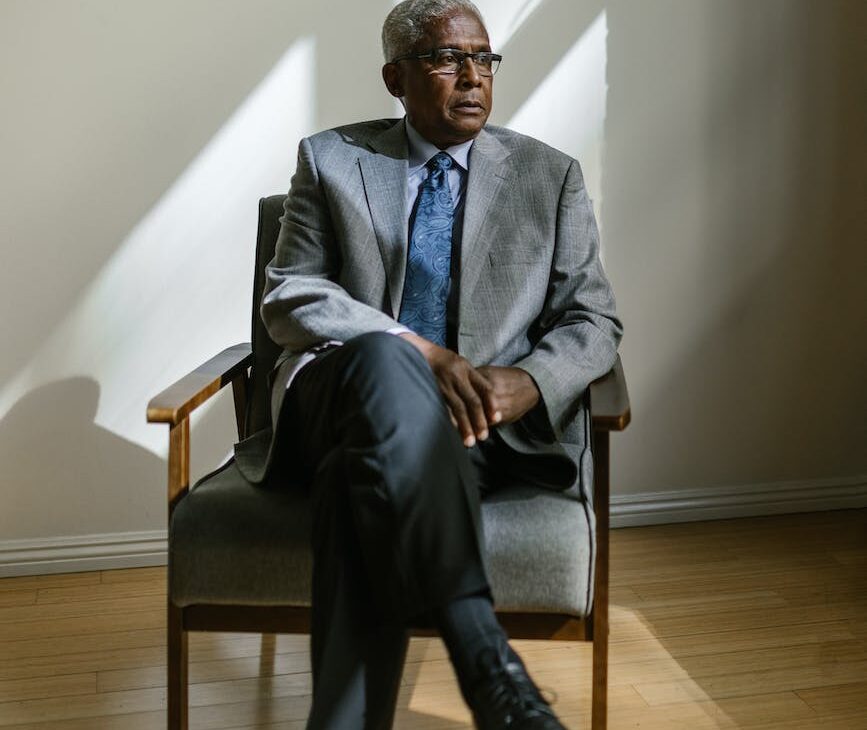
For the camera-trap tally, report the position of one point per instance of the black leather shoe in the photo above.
(505, 696)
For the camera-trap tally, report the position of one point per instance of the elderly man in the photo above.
(437, 291)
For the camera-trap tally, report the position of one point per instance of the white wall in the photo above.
(734, 191)
(721, 144)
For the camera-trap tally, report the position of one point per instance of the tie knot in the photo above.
(440, 161)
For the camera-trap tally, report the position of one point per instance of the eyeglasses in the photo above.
(451, 60)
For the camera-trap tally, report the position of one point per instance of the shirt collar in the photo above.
(420, 150)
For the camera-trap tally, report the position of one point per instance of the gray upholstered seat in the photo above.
(233, 543)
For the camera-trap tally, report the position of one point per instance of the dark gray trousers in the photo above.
(396, 524)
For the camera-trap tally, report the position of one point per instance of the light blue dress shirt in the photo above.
(420, 152)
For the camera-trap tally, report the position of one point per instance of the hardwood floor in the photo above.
(754, 623)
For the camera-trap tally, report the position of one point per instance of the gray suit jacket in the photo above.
(532, 290)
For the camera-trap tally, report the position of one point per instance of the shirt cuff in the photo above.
(399, 330)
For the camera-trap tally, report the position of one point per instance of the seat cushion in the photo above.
(234, 543)
(540, 548)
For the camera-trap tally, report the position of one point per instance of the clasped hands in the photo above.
(477, 398)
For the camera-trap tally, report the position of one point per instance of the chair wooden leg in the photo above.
(600, 599)
(267, 650)
(177, 669)
(600, 677)
(179, 482)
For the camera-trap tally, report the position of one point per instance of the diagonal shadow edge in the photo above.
(537, 46)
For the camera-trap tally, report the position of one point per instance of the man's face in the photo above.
(445, 109)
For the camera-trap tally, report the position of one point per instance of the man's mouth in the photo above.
(469, 105)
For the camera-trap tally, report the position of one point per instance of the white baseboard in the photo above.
(752, 500)
(78, 553)
(142, 549)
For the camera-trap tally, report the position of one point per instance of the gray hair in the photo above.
(406, 23)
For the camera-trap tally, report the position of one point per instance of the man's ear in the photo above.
(393, 78)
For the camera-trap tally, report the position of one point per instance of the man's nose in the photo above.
(469, 74)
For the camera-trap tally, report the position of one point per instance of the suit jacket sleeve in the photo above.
(579, 329)
(302, 305)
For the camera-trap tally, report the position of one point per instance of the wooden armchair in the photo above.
(223, 517)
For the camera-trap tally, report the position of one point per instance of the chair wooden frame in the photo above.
(610, 411)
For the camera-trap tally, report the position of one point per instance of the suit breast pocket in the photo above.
(524, 255)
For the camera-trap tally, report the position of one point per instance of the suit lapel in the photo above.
(487, 175)
(384, 178)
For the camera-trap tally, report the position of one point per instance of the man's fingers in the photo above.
(485, 388)
(458, 411)
(452, 417)
(468, 394)
(475, 409)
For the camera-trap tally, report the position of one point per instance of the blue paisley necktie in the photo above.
(426, 286)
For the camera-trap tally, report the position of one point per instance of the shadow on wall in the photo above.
(71, 465)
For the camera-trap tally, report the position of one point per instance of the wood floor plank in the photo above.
(851, 587)
(276, 711)
(27, 689)
(206, 671)
(18, 598)
(720, 642)
(101, 592)
(853, 721)
(856, 557)
(745, 683)
(100, 624)
(127, 575)
(837, 699)
(699, 568)
(23, 647)
(727, 713)
(754, 660)
(693, 621)
(139, 700)
(68, 609)
(55, 580)
(92, 661)
(89, 706)
(147, 658)
(154, 720)
(297, 725)
(771, 580)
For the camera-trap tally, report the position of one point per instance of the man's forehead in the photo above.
(456, 31)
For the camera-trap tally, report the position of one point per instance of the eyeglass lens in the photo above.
(448, 61)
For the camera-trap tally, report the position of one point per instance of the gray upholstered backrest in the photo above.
(265, 351)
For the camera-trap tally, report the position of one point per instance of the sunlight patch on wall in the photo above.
(567, 109)
(178, 289)
(503, 18)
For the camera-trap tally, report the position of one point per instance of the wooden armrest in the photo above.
(177, 401)
(609, 400)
